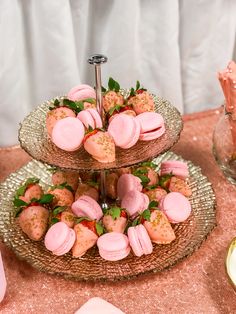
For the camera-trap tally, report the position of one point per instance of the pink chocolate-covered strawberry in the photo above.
(63, 195)
(159, 228)
(115, 220)
(64, 214)
(141, 100)
(179, 185)
(126, 109)
(87, 232)
(69, 177)
(100, 145)
(155, 193)
(56, 114)
(112, 96)
(87, 189)
(111, 185)
(29, 190)
(147, 174)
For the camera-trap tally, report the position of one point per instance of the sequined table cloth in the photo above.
(198, 284)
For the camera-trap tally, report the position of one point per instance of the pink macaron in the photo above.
(175, 167)
(113, 246)
(59, 239)
(176, 207)
(86, 206)
(90, 117)
(135, 202)
(80, 92)
(139, 240)
(68, 134)
(125, 130)
(152, 125)
(128, 182)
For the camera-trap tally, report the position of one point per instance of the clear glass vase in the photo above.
(224, 145)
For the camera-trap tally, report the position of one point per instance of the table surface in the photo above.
(198, 284)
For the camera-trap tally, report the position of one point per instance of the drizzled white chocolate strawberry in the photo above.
(87, 232)
(100, 145)
(115, 220)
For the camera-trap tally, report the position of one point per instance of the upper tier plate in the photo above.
(35, 141)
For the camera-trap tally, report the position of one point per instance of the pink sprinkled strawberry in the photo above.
(100, 145)
(29, 190)
(115, 220)
(155, 193)
(126, 109)
(179, 185)
(64, 214)
(69, 177)
(63, 195)
(87, 232)
(146, 172)
(141, 100)
(89, 189)
(112, 97)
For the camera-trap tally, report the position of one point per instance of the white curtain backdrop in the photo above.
(174, 47)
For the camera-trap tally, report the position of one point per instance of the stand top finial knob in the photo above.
(97, 59)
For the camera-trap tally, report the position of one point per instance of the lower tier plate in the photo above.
(189, 235)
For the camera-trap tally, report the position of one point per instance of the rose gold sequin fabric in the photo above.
(196, 285)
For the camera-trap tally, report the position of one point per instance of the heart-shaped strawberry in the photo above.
(115, 220)
(87, 232)
(159, 228)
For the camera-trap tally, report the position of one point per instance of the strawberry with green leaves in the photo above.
(179, 185)
(112, 96)
(63, 195)
(90, 189)
(87, 232)
(146, 172)
(157, 225)
(33, 216)
(29, 190)
(115, 219)
(154, 192)
(64, 214)
(71, 178)
(141, 100)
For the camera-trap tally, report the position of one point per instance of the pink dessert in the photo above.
(115, 220)
(113, 246)
(70, 177)
(155, 194)
(174, 167)
(112, 99)
(142, 102)
(125, 130)
(159, 228)
(86, 237)
(152, 125)
(86, 206)
(55, 115)
(68, 134)
(3, 283)
(59, 239)
(100, 145)
(135, 202)
(179, 185)
(139, 240)
(176, 207)
(33, 221)
(90, 118)
(128, 182)
(81, 92)
(32, 191)
(62, 196)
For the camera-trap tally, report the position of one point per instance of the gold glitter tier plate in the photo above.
(35, 141)
(189, 235)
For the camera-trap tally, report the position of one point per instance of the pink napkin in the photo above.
(98, 306)
(3, 282)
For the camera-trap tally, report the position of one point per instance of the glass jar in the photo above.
(224, 145)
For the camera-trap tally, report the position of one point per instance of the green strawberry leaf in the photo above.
(137, 85)
(78, 220)
(146, 214)
(151, 187)
(140, 171)
(163, 179)
(59, 209)
(103, 89)
(45, 199)
(56, 103)
(117, 87)
(144, 180)
(136, 221)
(115, 212)
(62, 186)
(152, 204)
(111, 83)
(113, 109)
(149, 164)
(19, 203)
(99, 228)
(22, 189)
(54, 220)
(89, 100)
(132, 92)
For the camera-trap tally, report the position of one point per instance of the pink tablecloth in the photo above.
(196, 285)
